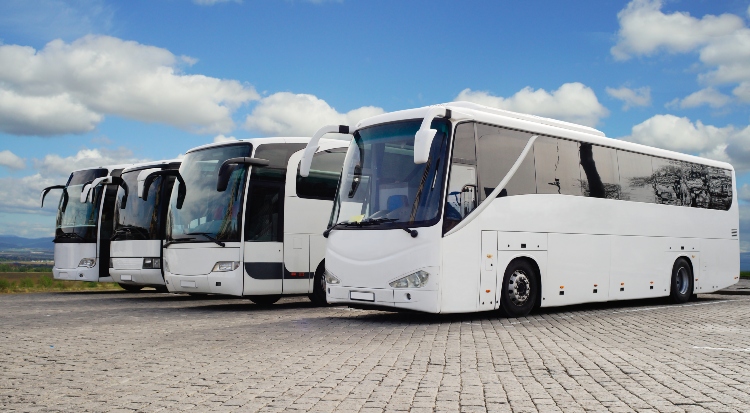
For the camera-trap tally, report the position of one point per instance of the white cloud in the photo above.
(723, 43)
(21, 195)
(744, 192)
(727, 143)
(645, 30)
(222, 138)
(69, 87)
(708, 96)
(54, 19)
(292, 114)
(10, 160)
(573, 102)
(631, 97)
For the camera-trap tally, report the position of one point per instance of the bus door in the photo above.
(264, 238)
(488, 272)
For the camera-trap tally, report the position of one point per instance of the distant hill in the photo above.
(12, 242)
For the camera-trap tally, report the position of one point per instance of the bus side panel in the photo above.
(639, 268)
(461, 270)
(720, 264)
(317, 254)
(263, 268)
(578, 270)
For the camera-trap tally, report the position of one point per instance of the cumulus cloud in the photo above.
(573, 102)
(723, 43)
(631, 97)
(222, 138)
(21, 195)
(10, 160)
(645, 30)
(69, 87)
(708, 96)
(292, 114)
(729, 144)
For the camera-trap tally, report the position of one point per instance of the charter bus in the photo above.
(242, 222)
(139, 224)
(84, 224)
(461, 208)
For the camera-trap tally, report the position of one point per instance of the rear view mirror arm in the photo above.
(181, 190)
(312, 146)
(224, 172)
(46, 190)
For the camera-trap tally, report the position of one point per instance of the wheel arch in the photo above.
(692, 269)
(533, 262)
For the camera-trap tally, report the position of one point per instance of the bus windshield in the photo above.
(206, 213)
(77, 221)
(140, 219)
(382, 187)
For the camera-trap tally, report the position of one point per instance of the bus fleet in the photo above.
(444, 209)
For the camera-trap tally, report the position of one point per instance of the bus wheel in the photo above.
(318, 296)
(264, 300)
(682, 282)
(520, 289)
(130, 287)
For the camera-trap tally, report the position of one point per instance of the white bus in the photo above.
(139, 224)
(461, 208)
(84, 224)
(242, 222)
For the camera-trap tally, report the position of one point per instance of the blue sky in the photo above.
(86, 82)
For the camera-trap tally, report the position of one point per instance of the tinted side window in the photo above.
(694, 185)
(667, 181)
(264, 212)
(556, 163)
(636, 181)
(720, 188)
(278, 155)
(599, 175)
(324, 175)
(497, 151)
(462, 183)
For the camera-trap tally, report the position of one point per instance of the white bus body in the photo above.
(514, 211)
(260, 236)
(139, 225)
(84, 225)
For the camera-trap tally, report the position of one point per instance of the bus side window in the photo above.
(324, 175)
(599, 175)
(497, 151)
(462, 185)
(719, 188)
(556, 162)
(636, 179)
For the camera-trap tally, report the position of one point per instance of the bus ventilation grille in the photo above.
(734, 232)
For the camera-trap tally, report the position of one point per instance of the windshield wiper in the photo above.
(71, 235)
(177, 241)
(130, 229)
(207, 235)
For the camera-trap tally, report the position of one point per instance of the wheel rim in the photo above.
(683, 281)
(519, 288)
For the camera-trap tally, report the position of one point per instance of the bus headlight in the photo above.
(414, 280)
(151, 263)
(87, 262)
(223, 266)
(330, 278)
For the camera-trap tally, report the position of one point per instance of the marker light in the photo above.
(414, 280)
(223, 266)
(87, 262)
(151, 263)
(330, 278)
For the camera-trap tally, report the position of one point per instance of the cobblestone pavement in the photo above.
(152, 352)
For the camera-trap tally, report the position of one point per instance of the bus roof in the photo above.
(538, 124)
(109, 168)
(257, 141)
(153, 164)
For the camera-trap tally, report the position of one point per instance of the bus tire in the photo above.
(264, 300)
(520, 288)
(161, 289)
(130, 287)
(318, 296)
(681, 286)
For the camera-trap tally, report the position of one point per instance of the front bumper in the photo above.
(137, 277)
(225, 283)
(415, 299)
(77, 274)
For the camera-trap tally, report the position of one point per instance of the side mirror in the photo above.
(181, 190)
(124, 202)
(142, 177)
(85, 193)
(424, 136)
(312, 146)
(226, 169)
(46, 190)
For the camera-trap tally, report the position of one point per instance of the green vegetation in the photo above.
(745, 274)
(6, 266)
(32, 282)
